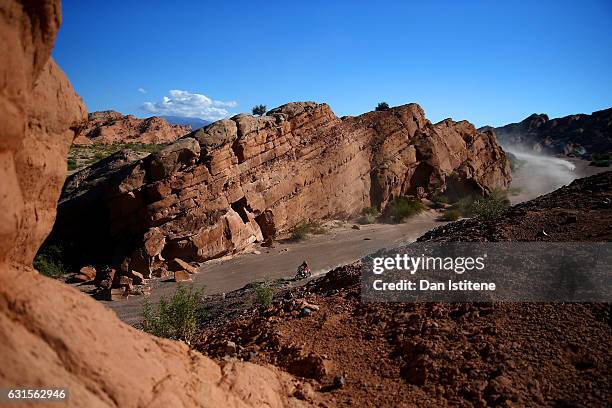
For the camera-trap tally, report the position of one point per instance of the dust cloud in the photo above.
(538, 174)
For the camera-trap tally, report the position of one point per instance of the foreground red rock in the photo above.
(108, 127)
(248, 179)
(51, 335)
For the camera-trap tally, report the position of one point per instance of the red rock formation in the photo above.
(108, 127)
(50, 334)
(249, 178)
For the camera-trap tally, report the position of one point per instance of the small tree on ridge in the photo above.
(259, 110)
(382, 106)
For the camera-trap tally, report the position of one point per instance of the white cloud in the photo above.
(192, 105)
(142, 90)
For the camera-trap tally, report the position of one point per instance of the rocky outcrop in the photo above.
(108, 127)
(248, 179)
(575, 135)
(50, 334)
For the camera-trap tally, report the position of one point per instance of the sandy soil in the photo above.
(341, 246)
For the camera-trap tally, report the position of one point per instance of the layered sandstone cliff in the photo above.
(108, 127)
(577, 135)
(50, 334)
(248, 179)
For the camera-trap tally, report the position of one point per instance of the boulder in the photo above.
(178, 264)
(137, 278)
(216, 134)
(170, 159)
(125, 281)
(107, 278)
(154, 241)
(79, 278)
(181, 276)
(89, 272)
(115, 293)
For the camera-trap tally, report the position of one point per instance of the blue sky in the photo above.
(490, 62)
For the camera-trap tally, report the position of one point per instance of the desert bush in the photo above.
(366, 219)
(49, 261)
(402, 208)
(259, 110)
(382, 106)
(176, 318)
(373, 211)
(491, 206)
(263, 294)
(601, 163)
(304, 228)
(602, 156)
(100, 155)
(452, 215)
(440, 198)
(369, 216)
(72, 164)
(463, 205)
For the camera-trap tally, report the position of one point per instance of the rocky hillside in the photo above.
(578, 135)
(249, 179)
(505, 354)
(108, 127)
(52, 335)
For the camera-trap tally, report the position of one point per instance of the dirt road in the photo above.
(340, 246)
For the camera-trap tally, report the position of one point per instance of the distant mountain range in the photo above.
(581, 135)
(195, 123)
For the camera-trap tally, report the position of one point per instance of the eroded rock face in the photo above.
(107, 127)
(50, 334)
(247, 179)
(575, 135)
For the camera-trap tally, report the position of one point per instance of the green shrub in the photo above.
(602, 156)
(382, 106)
(601, 163)
(176, 318)
(452, 215)
(491, 206)
(463, 206)
(48, 261)
(373, 211)
(263, 294)
(100, 155)
(259, 110)
(402, 208)
(304, 228)
(366, 219)
(440, 198)
(72, 164)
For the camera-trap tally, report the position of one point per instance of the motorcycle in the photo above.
(303, 272)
